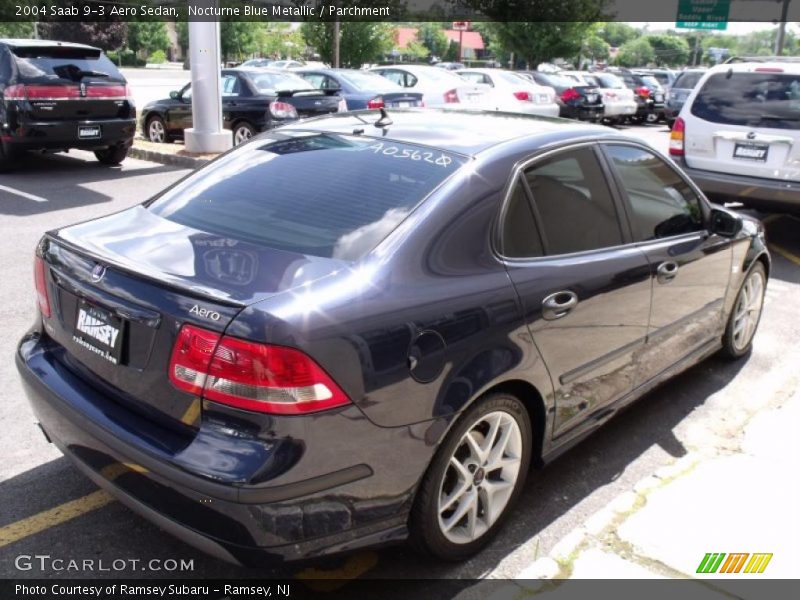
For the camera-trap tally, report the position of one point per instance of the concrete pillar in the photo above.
(207, 134)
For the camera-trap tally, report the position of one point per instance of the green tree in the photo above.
(145, 37)
(279, 40)
(636, 53)
(16, 29)
(414, 51)
(108, 35)
(359, 42)
(596, 48)
(536, 42)
(238, 39)
(433, 38)
(669, 50)
(616, 34)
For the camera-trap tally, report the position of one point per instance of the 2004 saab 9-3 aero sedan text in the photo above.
(366, 327)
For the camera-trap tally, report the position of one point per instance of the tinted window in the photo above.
(607, 80)
(661, 202)
(366, 81)
(520, 237)
(750, 99)
(319, 194)
(687, 80)
(573, 204)
(64, 63)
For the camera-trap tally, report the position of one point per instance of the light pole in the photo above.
(207, 134)
(782, 29)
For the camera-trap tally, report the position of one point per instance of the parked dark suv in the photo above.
(56, 95)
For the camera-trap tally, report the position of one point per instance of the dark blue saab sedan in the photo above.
(368, 327)
(361, 89)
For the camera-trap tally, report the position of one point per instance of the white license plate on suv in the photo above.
(89, 132)
(751, 151)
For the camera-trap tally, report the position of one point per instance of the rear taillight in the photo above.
(677, 137)
(523, 96)
(451, 97)
(570, 95)
(282, 110)
(251, 376)
(15, 92)
(376, 102)
(40, 277)
(642, 92)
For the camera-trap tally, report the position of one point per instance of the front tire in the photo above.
(474, 479)
(746, 314)
(113, 155)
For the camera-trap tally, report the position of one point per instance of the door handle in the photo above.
(558, 305)
(667, 271)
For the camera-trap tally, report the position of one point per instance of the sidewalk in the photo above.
(744, 501)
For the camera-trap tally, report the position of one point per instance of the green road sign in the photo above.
(703, 14)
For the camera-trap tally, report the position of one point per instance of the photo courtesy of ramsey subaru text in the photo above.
(369, 327)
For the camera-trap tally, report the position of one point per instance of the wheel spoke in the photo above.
(463, 507)
(490, 491)
(474, 447)
(456, 495)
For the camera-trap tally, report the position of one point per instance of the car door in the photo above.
(585, 291)
(179, 114)
(689, 267)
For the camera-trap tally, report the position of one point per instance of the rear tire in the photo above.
(746, 314)
(7, 158)
(474, 479)
(156, 130)
(113, 155)
(242, 132)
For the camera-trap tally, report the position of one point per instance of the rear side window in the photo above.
(661, 202)
(319, 194)
(750, 99)
(50, 64)
(572, 203)
(520, 237)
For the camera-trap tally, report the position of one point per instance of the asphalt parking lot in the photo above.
(48, 508)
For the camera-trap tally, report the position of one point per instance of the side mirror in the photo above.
(174, 95)
(724, 223)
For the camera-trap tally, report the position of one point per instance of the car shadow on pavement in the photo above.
(62, 181)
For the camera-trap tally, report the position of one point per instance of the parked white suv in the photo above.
(738, 134)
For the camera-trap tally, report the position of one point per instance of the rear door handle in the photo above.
(558, 305)
(667, 271)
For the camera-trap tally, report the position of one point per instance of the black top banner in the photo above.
(399, 10)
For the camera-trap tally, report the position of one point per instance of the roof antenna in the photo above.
(385, 120)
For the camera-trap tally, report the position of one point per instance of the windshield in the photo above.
(439, 74)
(607, 80)
(328, 195)
(369, 82)
(751, 99)
(277, 82)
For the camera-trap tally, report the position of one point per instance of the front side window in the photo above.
(662, 203)
(572, 203)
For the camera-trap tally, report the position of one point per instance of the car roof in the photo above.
(775, 66)
(467, 132)
(20, 43)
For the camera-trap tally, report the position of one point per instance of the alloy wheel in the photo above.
(480, 478)
(748, 310)
(242, 134)
(155, 131)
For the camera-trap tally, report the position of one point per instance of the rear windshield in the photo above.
(367, 81)
(325, 195)
(277, 82)
(607, 80)
(750, 99)
(64, 64)
(687, 80)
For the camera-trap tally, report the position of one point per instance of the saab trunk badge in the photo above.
(98, 272)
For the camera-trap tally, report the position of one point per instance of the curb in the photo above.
(166, 158)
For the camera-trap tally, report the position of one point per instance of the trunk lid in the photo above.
(311, 103)
(117, 317)
(401, 99)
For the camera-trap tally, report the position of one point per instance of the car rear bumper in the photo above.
(243, 524)
(62, 135)
(620, 109)
(582, 113)
(740, 188)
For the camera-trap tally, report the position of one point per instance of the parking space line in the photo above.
(54, 516)
(785, 253)
(324, 580)
(26, 195)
